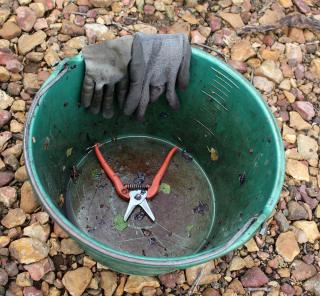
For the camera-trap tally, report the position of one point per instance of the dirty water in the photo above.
(184, 206)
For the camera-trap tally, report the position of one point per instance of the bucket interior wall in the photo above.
(216, 112)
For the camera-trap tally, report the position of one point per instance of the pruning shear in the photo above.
(135, 194)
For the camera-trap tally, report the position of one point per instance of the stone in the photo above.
(296, 211)
(4, 241)
(77, 42)
(32, 291)
(18, 105)
(4, 138)
(296, 35)
(88, 262)
(28, 250)
(183, 27)
(282, 221)
(68, 28)
(28, 42)
(297, 122)
(136, 283)
(190, 18)
(8, 195)
(76, 281)
(242, 51)
(98, 32)
(59, 232)
(207, 277)
(313, 285)
(24, 280)
(4, 74)
(15, 126)
(149, 9)
(70, 247)
(38, 231)
(15, 217)
(10, 30)
(317, 212)
(54, 292)
(41, 217)
(5, 178)
(26, 18)
(305, 109)
(196, 37)
(147, 29)
(271, 17)
(11, 268)
(297, 170)
(307, 147)
(237, 263)
(101, 3)
(51, 57)
(28, 200)
(108, 282)
(310, 228)
(302, 6)
(38, 8)
(254, 277)
(293, 53)
(268, 54)
(31, 83)
(35, 57)
(21, 174)
(210, 292)
(289, 134)
(263, 84)
(233, 19)
(315, 66)
(287, 246)
(148, 291)
(5, 100)
(169, 279)
(12, 162)
(270, 70)
(251, 246)
(239, 66)
(40, 24)
(215, 23)
(302, 271)
(4, 14)
(15, 150)
(37, 270)
(286, 3)
(3, 277)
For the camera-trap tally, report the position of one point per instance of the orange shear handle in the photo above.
(120, 188)
(153, 190)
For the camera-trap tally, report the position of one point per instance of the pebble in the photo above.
(242, 51)
(32, 291)
(136, 283)
(4, 74)
(26, 18)
(3, 277)
(28, 250)
(4, 241)
(302, 271)
(38, 231)
(5, 117)
(28, 42)
(15, 217)
(286, 3)
(8, 195)
(196, 37)
(298, 170)
(98, 32)
(310, 228)
(207, 275)
(296, 211)
(305, 109)
(302, 6)
(287, 246)
(108, 282)
(254, 277)
(24, 280)
(237, 263)
(38, 269)
(41, 24)
(210, 292)
(270, 70)
(263, 84)
(233, 19)
(190, 18)
(315, 67)
(77, 42)
(296, 35)
(168, 279)
(287, 289)
(251, 246)
(181, 27)
(297, 122)
(282, 221)
(312, 285)
(10, 30)
(76, 281)
(215, 23)
(308, 148)
(101, 3)
(21, 174)
(38, 8)
(70, 247)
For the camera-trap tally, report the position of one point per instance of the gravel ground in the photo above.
(37, 257)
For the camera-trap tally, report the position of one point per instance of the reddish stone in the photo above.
(32, 291)
(302, 6)
(268, 40)
(79, 20)
(26, 18)
(288, 289)
(168, 280)
(305, 109)
(215, 23)
(238, 65)
(254, 277)
(149, 9)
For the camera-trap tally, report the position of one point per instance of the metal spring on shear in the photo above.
(136, 187)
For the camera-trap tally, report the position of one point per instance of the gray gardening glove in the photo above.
(106, 72)
(159, 63)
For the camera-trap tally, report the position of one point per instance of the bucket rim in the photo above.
(238, 240)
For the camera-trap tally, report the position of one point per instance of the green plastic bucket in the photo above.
(223, 123)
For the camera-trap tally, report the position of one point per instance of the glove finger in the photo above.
(107, 105)
(172, 96)
(122, 90)
(156, 92)
(183, 73)
(144, 102)
(137, 70)
(87, 91)
(95, 106)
